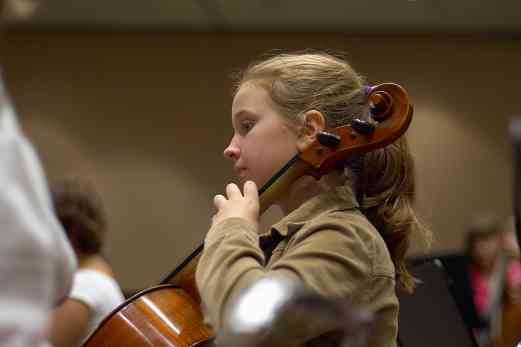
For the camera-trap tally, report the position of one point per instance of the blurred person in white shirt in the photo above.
(95, 292)
(36, 261)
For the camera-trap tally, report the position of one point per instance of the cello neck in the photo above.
(184, 275)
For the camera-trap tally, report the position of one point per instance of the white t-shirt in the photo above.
(36, 260)
(99, 292)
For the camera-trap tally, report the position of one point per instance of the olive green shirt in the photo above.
(327, 243)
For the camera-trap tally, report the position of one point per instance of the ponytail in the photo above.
(387, 183)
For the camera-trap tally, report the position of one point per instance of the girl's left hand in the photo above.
(237, 204)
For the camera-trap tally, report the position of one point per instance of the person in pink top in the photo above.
(494, 270)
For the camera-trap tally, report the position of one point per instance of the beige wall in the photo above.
(146, 117)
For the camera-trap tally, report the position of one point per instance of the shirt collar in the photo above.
(337, 199)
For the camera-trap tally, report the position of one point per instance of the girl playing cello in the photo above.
(344, 236)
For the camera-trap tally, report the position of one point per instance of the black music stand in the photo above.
(430, 316)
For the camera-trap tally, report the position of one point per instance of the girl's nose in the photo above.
(232, 151)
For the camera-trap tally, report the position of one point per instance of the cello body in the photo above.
(510, 326)
(161, 316)
(506, 312)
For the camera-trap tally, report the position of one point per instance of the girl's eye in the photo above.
(247, 125)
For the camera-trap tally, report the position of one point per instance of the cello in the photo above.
(507, 331)
(169, 314)
(509, 328)
(505, 313)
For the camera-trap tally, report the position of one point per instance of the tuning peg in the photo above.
(328, 139)
(381, 105)
(362, 127)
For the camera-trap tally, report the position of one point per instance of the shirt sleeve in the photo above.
(328, 258)
(36, 261)
(231, 259)
(96, 290)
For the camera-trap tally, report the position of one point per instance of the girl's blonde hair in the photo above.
(300, 82)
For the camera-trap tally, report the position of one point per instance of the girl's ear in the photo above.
(313, 123)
